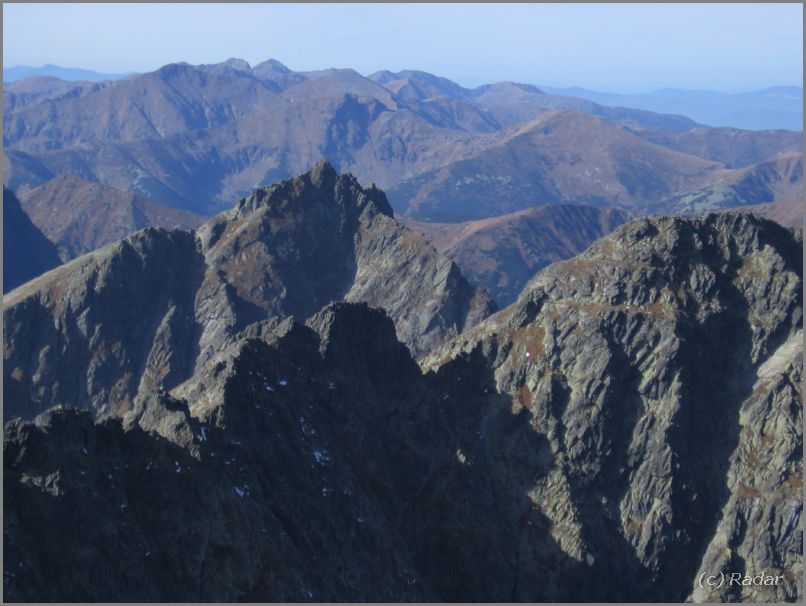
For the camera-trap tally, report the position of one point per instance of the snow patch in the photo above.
(306, 429)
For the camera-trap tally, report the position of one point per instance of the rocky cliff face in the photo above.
(268, 495)
(631, 422)
(663, 368)
(145, 313)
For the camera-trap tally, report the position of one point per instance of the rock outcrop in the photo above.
(631, 422)
(145, 313)
(663, 368)
(254, 500)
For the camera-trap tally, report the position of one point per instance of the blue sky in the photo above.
(611, 47)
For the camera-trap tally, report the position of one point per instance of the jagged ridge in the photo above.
(633, 420)
(150, 311)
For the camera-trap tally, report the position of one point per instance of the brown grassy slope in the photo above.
(503, 252)
(560, 156)
(774, 186)
(80, 216)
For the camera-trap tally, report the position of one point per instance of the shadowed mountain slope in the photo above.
(148, 311)
(632, 421)
(27, 253)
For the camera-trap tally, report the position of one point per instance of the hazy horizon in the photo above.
(620, 48)
(120, 74)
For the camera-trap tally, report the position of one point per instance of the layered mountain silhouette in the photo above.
(199, 137)
(568, 156)
(514, 379)
(20, 72)
(774, 107)
(304, 401)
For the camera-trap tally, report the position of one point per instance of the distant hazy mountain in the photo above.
(18, 72)
(777, 107)
(201, 137)
(568, 156)
(776, 181)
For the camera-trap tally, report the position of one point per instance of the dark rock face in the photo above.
(147, 312)
(663, 367)
(329, 469)
(257, 503)
(27, 253)
(94, 332)
(631, 421)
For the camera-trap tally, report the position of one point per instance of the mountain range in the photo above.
(778, 107)
(302, 400)
(286, 251)
(308, 336)
(20, 72)
(200, 137)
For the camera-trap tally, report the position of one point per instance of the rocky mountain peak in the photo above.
(237, 64)
(360, 336)
(641, 399)
(623, 356)
(320, 185)
(151, 311)
(276, 65)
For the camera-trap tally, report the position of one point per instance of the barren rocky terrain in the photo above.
(302, 400)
